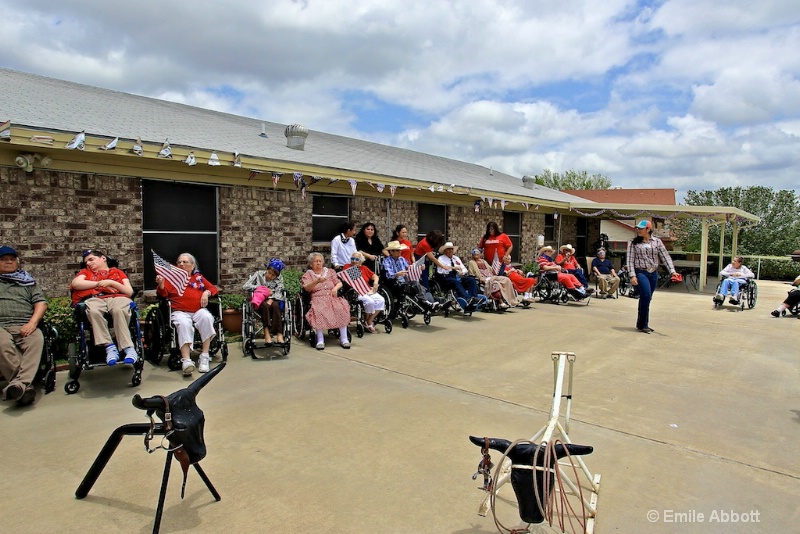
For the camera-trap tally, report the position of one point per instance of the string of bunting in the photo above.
(78, 142)
(649, 213)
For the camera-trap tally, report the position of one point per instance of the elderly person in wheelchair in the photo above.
(733, 277)
(189, 312)
(573, 286)
(268, 294)
(456, 276)
(791, 303)
(327, 310)
(492, 283)
(22, 306)
(395, 272)
(373, 303)
(106, 290)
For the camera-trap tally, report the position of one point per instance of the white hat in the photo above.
(395, 245)
(447, 245)
(568, 247)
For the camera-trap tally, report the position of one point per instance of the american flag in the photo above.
(415, 269)
(176, 276)
(496, 264)
(352, 276)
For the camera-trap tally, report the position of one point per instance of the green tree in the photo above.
(572, 179)
(777, 234)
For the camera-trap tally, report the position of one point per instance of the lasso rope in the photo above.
(548, 506)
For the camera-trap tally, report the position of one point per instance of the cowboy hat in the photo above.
(447, 245)
(567, 247)
(395, 245)
(545, 249)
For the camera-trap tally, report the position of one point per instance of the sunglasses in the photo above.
(355, 259)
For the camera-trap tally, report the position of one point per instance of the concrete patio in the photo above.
(699, 420)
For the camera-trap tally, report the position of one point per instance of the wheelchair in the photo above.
(442, 291)
(626, 288)
(161, 337)
(403, 302)
(748, 295)
(358, 313)
(253, 327)
(300, 325)
(46, 372)
(84, 355)
(549, 289)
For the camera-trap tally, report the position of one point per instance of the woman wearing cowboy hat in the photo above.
(569, 264)
(573, 285)
(645, 252)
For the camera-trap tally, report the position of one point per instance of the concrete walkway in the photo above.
(700, 417)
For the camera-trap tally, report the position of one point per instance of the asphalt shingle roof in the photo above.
(50, 104)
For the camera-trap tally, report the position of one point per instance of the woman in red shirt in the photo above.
(189, 312)
(400, 234)
(495, 243)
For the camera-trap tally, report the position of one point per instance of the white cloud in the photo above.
(686, 93)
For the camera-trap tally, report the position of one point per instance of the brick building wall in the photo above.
(50, 218)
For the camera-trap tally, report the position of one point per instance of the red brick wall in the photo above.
(51, 217)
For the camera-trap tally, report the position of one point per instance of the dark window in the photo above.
(582, 237)
(327, 215)
(549, 228)
(512, 227)
(180, 218)
(431, 217)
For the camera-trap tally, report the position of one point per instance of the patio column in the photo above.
(735, 241)
(703, 254)
(722, 226)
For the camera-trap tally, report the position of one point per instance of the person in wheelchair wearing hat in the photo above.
(268, 294)
(456, 275)
(22, 306)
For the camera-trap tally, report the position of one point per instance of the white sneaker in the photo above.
(203, 361)
(188, 367)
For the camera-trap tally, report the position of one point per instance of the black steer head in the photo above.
(183, 419)
(530, 509)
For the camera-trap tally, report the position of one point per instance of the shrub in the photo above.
(291, 281)
(60, 315)
(232, 301)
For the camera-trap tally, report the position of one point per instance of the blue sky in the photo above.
(687, 94)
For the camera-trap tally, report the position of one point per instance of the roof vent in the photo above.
(528, 181)
(296, 136)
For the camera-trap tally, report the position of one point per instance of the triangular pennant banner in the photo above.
(190, 160)
(253, 174)
(392, 189)
(237, 159)
(503, 204)
(111, 145)
(275, 177)
(166, 151)
(78, 142)
(314, 179)
(213, 159)
(477, 205)
(379, 188)
(303, 188)
(353, 185)
(296, 176)
(137, 147)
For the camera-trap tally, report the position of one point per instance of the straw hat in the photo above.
(546, 248)
(395, 245)
(566, 247)
(447, 245)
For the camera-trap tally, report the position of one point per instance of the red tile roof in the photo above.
(626, 196)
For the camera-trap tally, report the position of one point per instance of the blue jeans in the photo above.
(578, 273)
(647, 285)
(465, 288)
(730, 286)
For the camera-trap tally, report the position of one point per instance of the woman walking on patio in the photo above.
(644, 254)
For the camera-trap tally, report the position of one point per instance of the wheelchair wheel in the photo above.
(248, 328)
(387, 297)
(427, 318)
(404, 321)
(752, 296)
(72, 387)
(360, 329)
(136, 379)
(387, 326)
(153, 330)
(298, 319)
(174, 360)
(50, 381)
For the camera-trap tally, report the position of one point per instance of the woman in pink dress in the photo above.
(327, 311)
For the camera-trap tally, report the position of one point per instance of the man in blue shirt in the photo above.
(606, 275)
